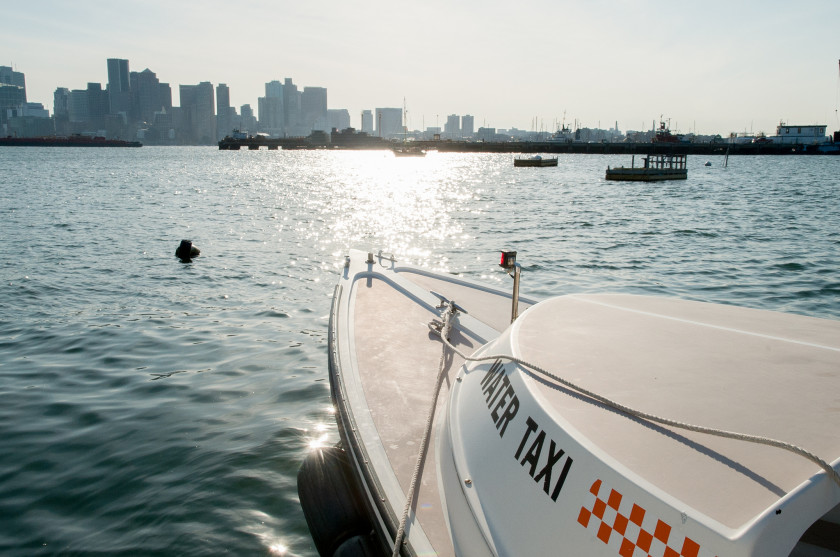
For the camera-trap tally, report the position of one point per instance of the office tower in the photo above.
(467, 126)
(146, 95)
(61, 98)
(338, 118)
(291, 109)
(165, 96)
(10, 77)
(198, 113)
(223, 114)
(12, 91)
(367, 122)
(313, 106)
(119, 86)
(271, 110)
(78, 108)
(389, 122)
(97, 100)
(247, 119)
(452, 128)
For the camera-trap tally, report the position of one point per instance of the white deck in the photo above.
(737, 369)
(749, 371)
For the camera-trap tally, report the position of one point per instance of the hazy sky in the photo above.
(707, 66)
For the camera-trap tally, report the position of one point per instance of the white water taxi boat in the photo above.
(593, 424)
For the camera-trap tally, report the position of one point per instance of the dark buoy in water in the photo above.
(186, 251)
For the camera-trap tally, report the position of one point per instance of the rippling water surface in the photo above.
(149, 406)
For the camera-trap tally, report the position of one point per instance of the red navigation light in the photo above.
(508, 259)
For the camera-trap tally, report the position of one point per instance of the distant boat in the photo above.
(664, 135)
(409, 151)
(537, 160)
(656, 167)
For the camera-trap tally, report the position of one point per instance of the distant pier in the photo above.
(357, 141)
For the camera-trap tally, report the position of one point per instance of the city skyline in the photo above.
(707, 68)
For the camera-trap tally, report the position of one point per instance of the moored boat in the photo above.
(654, 168)
(536, 160)
(409, 151)
(476, 422)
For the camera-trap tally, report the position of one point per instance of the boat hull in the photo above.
(535, 162)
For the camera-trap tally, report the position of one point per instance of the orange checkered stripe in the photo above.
(630, 530)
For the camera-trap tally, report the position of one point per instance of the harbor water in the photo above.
(150, 406)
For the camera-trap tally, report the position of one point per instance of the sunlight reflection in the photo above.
(378, 200)
(269, 539)
(318, 443)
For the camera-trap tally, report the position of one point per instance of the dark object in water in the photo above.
(186, 251)
(334, 506)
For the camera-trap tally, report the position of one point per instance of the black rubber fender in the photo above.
(359, 546)
(333, 505)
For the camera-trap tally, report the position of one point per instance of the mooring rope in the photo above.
(652, 417)
(446, 326)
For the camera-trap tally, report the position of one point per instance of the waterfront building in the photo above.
(338, 119)
(313, 106)
(486, 134)
(119, 86)
(389, 122)
(28, 120)
(367, 122)
(198, 114)
(800, 135)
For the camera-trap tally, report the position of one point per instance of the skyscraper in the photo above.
(223, 112)
(467, 126)
(61, 98)
(119, 86)
(389, 122)
(291, 109)
(452, 128)
(12, 90)
(338, 118)
(146, 95)
(97, 101)
(10, 77)
(271, 109)
(198, 113)
(313, 106)
(367, 122)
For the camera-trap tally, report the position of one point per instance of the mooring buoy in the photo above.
(186, 251)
